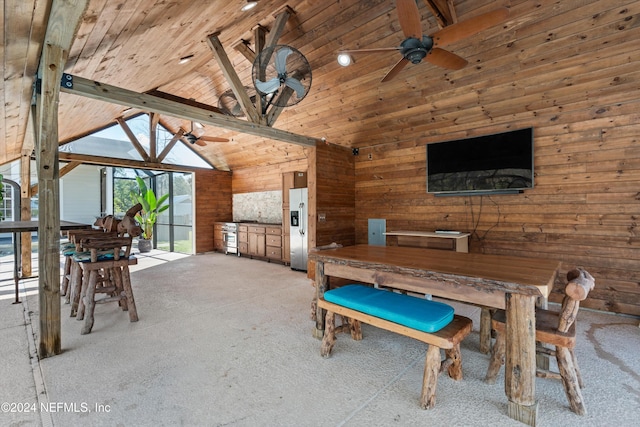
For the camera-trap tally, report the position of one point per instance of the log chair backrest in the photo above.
(580, 282)
(128, 223)
(107, 223)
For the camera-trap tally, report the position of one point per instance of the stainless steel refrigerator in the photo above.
(298, 202)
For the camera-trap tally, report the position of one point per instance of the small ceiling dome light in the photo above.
(185, 59)
(250, 5)
(344, 59)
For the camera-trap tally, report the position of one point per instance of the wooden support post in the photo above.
(520, 360)
(49, 202)
(63, 23)
(25, 211)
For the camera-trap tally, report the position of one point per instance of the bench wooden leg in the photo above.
(454, 362)
(356, 329)
(329, 338)
(430, 378)
(497, 359)
(570, 380)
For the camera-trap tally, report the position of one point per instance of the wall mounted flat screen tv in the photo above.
(490, 164)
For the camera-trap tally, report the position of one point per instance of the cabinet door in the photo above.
(257, 244)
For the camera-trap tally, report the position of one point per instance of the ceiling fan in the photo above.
(281, 75)
(192, 138)
(417, 46)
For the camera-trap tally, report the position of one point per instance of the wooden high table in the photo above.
(17, 227)
(506, 282)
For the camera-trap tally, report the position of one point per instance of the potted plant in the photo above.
(151, 207)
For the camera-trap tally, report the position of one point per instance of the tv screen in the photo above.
(500, 163)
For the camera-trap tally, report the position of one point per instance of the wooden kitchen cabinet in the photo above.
(243, 239)
(218, 239)
(257, 241)
(274, 242)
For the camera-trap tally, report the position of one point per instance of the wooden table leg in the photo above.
(520, 360)
(321, 286)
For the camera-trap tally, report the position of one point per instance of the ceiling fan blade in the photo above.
(281, 60)
(295, 85)
(409, 17)
(374, 50)
(269, 86)
(199, 142)
(395, 70)
(445, 59)
(213, 139)
(469, 27)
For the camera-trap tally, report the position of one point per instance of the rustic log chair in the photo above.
(74, 245)
(557, 329)
(106, 271)
(106, 224)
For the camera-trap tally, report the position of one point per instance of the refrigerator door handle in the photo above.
(301, 229)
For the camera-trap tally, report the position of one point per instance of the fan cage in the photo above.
(297, 67)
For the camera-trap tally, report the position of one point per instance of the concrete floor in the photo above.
(224, 341)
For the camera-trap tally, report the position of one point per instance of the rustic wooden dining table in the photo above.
(511, 283)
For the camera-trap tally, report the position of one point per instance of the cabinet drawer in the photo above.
(242, 228)
(243, 247)
(243, 237)
(259, 230)
(273, 252)
(274, 240)
(274, 230)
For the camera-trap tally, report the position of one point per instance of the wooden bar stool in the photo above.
(557, 329)
(71, 278)
(105, 271)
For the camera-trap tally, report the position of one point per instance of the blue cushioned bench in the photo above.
(428, 321)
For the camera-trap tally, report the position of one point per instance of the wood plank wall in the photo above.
(265, 178)
(583, 210)
(213, 203)
(332, 193)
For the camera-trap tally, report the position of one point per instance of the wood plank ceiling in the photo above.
(136, 45)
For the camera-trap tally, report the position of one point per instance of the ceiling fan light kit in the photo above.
(415, 50)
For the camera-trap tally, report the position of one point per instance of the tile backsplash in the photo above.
(262, 206)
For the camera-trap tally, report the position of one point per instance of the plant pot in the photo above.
(144, 245)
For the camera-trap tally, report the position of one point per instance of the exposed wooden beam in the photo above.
(136, 144)
(282, 16)
(153, 136)
(442, 11)
(232, 78)
(64, 20)
(167, 149)
(108, 93)
(185, 101)
(108, 161)
(260, 37)
(243, 47)
(65, 170)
